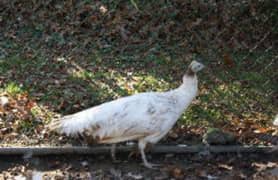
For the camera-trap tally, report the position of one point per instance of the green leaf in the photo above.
(134, 4)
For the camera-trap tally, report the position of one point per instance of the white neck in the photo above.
(189, 81)
(187, 90)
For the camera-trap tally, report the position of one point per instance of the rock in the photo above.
(169, 155)
(275, 122)
(173, 135)
(10, 117)
(84, 163)
(20, 177)
(4, 101)
(36, 175)
(134, 176)
(215, 136)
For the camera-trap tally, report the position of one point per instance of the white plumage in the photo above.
(145, 117)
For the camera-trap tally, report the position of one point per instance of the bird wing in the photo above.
(122, 119)
(140, 116)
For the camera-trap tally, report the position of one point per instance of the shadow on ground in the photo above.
(226, 166)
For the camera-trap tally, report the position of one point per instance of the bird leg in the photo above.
(136, 152)
(142, 145)
(113, 153)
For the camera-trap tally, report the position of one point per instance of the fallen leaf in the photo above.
(225, 166)
(262, 130)
(134, 176)
(228, 61)
(177, 173)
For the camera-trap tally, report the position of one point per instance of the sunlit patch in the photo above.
(61, 59)
(275, 122)
(13, 88)
(103, 9)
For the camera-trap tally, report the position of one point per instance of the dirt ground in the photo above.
(189, 166)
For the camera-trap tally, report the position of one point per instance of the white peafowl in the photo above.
(146, 117)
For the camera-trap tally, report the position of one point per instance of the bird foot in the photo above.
(152, 166)
(133, 153)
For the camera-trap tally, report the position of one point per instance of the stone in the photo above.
(215, 136)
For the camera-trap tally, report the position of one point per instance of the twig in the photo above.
(83, 150)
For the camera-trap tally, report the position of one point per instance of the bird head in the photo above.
(194, 67)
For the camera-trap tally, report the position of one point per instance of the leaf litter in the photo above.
(49, 38)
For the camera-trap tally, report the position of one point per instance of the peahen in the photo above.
(146, 117)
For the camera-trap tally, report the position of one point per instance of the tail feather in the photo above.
(57, 124)
(70, 125)
(54, 125)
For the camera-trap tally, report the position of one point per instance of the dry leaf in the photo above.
(177, 173)
(228, 61)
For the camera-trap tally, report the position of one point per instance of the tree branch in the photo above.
(83, 150)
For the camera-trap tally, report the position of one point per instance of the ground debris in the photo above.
(60, 57)
(134, 176)
(178, 167)
(217, 136)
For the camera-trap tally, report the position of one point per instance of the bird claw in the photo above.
(152, 166)
(133, 153)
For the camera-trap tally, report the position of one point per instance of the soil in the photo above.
(189, 166)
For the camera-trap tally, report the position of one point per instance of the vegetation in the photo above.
(62, 57)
